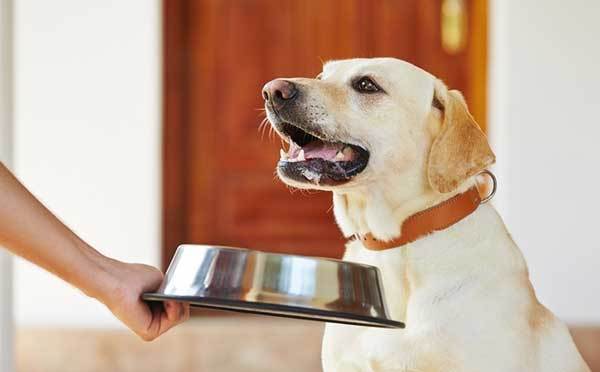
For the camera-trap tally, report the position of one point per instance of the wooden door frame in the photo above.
(175, 103)
(175, 127)
(478, 52)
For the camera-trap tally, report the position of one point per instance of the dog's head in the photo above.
(363, 120)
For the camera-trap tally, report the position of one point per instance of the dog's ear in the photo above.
(460, 150)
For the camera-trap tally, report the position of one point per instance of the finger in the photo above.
(186, 312)
(174, 314)
(153, 329)
(183, 313)
(172, 310)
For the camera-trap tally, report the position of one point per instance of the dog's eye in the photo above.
(365, 85)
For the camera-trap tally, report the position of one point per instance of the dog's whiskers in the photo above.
(271, 132)
(262, 127)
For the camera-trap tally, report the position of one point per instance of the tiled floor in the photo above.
(210, 344)
(215, 344)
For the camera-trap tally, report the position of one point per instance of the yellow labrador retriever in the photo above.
(400, 152)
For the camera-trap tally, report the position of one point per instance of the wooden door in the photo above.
(219, 184)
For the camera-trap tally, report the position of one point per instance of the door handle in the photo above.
(453, 26)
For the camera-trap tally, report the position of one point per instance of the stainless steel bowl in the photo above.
(276, 284)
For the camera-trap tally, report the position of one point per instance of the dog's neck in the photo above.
(382, 208)
(439, 263)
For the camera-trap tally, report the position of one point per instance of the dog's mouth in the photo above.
(310, 158)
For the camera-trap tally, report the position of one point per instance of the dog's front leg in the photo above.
(352, 349)
(367, 366)
(341, 350)
(342, 366)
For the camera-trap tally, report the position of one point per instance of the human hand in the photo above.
(123, 298)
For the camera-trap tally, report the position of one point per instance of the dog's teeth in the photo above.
(283, 154)
(300, 156)
(339, 156)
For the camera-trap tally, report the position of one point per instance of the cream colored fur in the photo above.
(464, 292)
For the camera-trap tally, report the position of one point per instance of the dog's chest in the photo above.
(422, 348)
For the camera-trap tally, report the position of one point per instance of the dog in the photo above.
(401, 154)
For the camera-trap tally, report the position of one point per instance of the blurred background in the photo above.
(136, 123)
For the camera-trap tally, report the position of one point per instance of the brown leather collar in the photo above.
(436, 218)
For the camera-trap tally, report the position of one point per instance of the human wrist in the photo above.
(97, 278)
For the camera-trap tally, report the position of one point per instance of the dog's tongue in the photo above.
(322, 150)
(318, 150)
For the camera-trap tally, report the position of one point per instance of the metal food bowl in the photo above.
(276, 284)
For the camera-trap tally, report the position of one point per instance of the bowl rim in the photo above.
(283, 310)
(256, 251)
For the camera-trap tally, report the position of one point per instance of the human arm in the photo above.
(31, 231)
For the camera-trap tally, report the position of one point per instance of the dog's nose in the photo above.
(278, 92)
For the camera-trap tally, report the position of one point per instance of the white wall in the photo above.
(545, 99)
(6, 262)
(87, 137)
